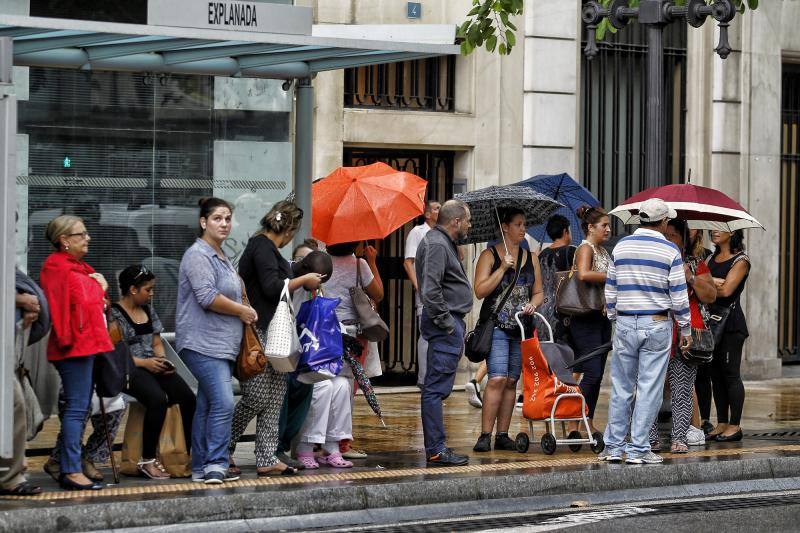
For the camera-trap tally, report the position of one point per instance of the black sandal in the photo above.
(288, 471)
(26, 488)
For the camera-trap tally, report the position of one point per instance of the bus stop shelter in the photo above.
(296, 57)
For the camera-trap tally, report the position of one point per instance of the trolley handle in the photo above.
(542, 318)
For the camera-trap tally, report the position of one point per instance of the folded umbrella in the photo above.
(352, 349)
(484, 204)
(700, 207)
(561, 188)
(365, 203)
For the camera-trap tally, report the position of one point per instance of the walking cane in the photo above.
(108, 439)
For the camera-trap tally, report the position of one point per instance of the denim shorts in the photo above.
(505, 359)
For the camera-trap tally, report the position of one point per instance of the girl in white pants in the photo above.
(329, 420)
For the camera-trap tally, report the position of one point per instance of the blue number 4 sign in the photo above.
(414, 10)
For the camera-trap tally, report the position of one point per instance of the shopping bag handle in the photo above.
(542, 318)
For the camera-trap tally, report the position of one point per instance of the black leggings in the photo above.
(156, 392)
(702, 385)
(726, 379)
(589, 333)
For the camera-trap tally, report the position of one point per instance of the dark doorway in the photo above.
(789, 279)
(399, 351)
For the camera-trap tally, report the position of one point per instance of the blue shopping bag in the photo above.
(320, 340)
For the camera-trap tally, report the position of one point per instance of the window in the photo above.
(423, 84)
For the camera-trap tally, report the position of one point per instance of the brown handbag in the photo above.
(370, 325)
(577, 298)
(251, 360)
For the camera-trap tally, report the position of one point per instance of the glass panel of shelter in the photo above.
(132, 154)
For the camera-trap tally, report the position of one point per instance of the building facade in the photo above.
(732, 123)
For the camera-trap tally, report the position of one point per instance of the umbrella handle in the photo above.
(500, 226)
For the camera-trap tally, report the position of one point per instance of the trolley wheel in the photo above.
(522, 442)
(600, 445)
(575, 435)
(548, 443)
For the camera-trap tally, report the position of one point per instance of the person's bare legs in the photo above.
(493, 396)
(480, 374)
(506, 409)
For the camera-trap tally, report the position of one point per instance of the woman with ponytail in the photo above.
(594, 329)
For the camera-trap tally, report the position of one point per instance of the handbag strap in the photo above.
(359, 282)
(507, 294)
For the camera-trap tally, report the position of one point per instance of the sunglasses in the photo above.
(143, 271)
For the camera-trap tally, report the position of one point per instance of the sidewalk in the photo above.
(395, 475)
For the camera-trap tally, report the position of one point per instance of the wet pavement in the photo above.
(771, 424)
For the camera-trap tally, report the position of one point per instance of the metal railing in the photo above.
(614, 100)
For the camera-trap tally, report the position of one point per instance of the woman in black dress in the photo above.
(730, 268)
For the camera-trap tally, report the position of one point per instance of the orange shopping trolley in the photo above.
(550, 394)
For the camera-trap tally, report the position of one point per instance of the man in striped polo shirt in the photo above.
(645, 286)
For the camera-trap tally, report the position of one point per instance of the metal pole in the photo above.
(8, 189)
(655, 140)
(304, 153)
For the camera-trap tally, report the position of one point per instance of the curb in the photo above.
(289, 501)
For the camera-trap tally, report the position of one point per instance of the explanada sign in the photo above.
(232, 14)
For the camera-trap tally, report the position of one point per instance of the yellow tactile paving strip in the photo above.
(377, 474)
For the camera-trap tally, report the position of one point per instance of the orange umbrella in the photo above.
(363, 203)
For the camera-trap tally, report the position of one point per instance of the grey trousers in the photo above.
(16, 465)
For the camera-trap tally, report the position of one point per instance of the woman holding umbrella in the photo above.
(500, 281)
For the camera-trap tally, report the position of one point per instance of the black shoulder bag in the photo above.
(478, 342)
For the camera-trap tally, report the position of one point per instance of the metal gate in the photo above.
(399, 351)
(613, 105)
(789, 292)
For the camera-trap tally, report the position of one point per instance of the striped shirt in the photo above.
(646, 277)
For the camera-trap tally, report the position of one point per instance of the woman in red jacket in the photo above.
(76, 295)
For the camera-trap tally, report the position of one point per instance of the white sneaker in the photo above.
(649, 458)
(473, 396)
(695, 437)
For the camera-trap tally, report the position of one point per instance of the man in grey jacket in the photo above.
(446, 297)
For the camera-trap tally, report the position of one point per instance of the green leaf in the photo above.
(511, 26)
(511, 38)
(473, 11)
(752, 4)
(491, 43)
(502, 49)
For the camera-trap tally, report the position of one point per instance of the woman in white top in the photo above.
(329, 421)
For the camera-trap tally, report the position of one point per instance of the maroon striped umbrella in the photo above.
(701, 207)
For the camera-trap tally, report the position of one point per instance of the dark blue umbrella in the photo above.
(565, 190)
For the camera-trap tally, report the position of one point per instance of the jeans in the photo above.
(211, 427)
(444, 352)
(76, 378)
(639, 364)
(588, 333)
(505, 357)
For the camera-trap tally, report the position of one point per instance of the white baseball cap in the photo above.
(656, 210)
